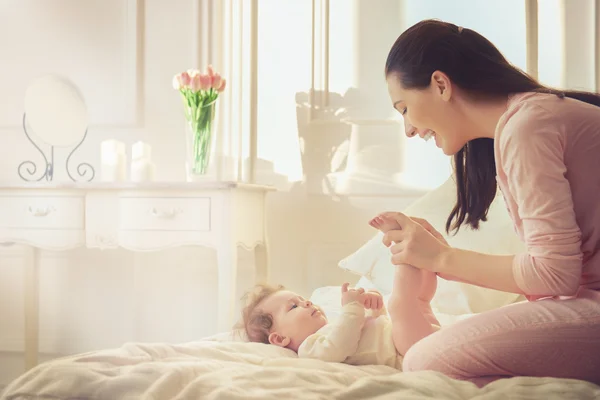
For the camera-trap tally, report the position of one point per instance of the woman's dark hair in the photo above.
(475, 65)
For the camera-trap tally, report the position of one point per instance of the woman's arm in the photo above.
(465, 266)
(464, 279)
(490, 271)
(531, 153)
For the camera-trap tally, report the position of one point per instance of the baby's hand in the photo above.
(373, 300)
(350, 295)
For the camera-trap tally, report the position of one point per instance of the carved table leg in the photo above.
(31, 292)
(227, 258)
(261, 263)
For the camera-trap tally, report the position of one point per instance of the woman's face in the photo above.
(429, 111)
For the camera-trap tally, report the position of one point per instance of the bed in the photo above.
(213, 369)
(225, 366)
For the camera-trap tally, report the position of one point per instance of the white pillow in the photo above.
(496, 236)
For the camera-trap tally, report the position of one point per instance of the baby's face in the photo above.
(294, 318)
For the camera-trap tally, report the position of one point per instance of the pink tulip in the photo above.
(193, 72)
(221, 87)
(193, 80)
(204, 82)
(216, 81)
(185, 79)
(195, 83)
(210, 72)
(181, 80)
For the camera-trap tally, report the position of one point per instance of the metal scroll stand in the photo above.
(28, 171)
(30, 168)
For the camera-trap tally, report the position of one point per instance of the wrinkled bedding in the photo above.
(211, 369)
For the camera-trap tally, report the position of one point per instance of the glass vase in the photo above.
(199, 138)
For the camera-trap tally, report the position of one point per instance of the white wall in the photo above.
(327, 137)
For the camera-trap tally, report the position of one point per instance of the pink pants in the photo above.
(553, 338)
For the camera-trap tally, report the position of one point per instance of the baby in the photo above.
(365, 333)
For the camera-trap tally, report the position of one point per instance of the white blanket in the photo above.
(237, 370)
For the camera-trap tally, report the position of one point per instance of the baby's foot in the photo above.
(384, 223)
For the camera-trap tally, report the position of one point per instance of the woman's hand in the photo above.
(438, 236)
(416, 242)
(429, 228)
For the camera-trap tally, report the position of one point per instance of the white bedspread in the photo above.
(237, 370)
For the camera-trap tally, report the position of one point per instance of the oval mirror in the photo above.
(55, 111)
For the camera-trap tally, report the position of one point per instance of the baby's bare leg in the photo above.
(409, 308)
(428, 285)
(428, 281)
(428, 288)
(412, 318)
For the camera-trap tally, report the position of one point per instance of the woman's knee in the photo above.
(443, 351)
(423, 355)
(411, 359)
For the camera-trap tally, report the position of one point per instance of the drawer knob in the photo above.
(165, 214)
(105, 242)
(40, 212)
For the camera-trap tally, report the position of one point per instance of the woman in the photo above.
(542, 148)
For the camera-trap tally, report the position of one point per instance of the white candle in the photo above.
(142, 170)
(114, 172)
(112, 146)
(140, 150)
(113, 161)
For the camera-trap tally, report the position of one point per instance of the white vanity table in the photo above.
(137, 217)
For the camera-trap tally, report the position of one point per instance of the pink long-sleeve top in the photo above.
(547, 153)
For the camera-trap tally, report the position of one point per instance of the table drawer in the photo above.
(165, 213)
(42, 212)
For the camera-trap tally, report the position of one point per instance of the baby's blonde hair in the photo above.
(255, 322)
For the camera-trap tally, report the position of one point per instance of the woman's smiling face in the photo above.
(429, 112)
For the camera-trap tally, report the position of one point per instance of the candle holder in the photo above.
(28, 169)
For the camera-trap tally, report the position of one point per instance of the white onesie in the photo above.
(354, 339)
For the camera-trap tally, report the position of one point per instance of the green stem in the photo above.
(201, 120)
